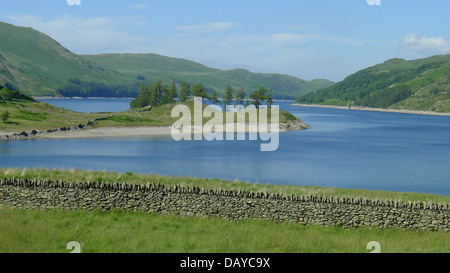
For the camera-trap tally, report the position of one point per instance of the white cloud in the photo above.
(209, 27)
(81, 35)
(421, 43)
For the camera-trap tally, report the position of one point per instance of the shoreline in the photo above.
(400, 111)
(101, 132)
(80, 98)
(139, 131)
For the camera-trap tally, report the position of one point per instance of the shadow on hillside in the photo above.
(12, 123)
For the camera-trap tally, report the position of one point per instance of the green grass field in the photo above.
(118, 231)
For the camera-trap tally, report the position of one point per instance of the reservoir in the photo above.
(343, 149)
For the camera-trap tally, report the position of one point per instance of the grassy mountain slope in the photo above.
(152, 67)
(35, 64)
(422, 84)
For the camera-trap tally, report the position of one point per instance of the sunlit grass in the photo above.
(118, 232)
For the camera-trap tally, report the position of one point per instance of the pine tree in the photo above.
(200, 91)
(143, 98)
(156, 92)
(5, 116)
(228, 98)
(240, 96)
(269, 99)
(173, 91)
(185, 92)
(214, 98)
(169, 93)
(259, 96)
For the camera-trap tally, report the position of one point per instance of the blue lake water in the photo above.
(344, 149)
(91, 105)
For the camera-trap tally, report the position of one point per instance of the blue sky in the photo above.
(308, 39)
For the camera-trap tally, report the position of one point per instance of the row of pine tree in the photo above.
(160, 93)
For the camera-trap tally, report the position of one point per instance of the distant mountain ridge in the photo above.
(421, 84)
(37, 65)
(152, 67)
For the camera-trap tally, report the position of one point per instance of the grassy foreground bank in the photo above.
(118, 231)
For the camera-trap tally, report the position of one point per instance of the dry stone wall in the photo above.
(33, 134)
(231, 205)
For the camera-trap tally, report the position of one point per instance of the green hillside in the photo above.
(150, 67)
(422, 84)
(7, 95)
(35, 64)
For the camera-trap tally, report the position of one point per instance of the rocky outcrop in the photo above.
(34, 134)
(294, 125)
